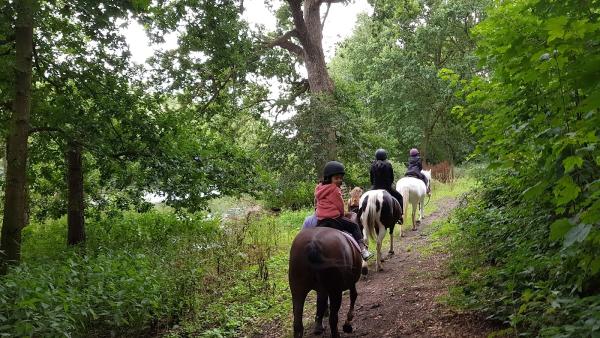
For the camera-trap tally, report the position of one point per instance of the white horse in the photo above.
(378, 211)
(413, 190)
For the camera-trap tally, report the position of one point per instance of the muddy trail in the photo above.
(404, 299)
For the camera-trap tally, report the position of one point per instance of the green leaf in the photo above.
(595, 266)
(577, 234)
(571, 162)
(534, 191)
(592, 214)
(565, 190)
(140, 5)
(559, 228)
(556, 27)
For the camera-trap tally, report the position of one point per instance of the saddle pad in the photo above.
(310, 222)
(351, 239)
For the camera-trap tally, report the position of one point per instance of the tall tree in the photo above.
(16, 145)
(307, 30)
(75, 216)
(394, 58)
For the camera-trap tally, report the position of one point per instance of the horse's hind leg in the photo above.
(347, 325)
(298, 299)
(335, 301)
(391, 252)
(414, 211)
(380, 236)
(321, 307)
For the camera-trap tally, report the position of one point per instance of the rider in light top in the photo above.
(354, 199)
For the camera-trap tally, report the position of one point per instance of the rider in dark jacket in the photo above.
(382, 175)
(415, 165)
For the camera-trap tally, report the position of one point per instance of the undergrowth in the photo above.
(508, 267)
(143, 274)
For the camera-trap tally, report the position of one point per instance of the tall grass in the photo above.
(142, 273)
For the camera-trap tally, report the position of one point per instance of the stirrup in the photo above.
(366, 254)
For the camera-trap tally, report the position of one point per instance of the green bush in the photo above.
(138, 273)
(116, 290)
(295, 196)
(510, 269)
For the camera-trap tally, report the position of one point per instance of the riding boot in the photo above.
(428, 187)
(364, 251)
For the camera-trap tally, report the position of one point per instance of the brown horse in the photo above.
(325, 260)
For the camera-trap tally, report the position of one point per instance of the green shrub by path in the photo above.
(508, 268)
(112, 290)
(139, 273)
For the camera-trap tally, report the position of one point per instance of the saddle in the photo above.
(413, 174)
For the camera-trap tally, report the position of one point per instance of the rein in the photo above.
(428, 199)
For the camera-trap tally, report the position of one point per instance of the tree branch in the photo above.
(44, 129)
(325, 17)
(298, 17)
(285, 43)
(217, 91)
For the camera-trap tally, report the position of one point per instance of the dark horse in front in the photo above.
(325, 260)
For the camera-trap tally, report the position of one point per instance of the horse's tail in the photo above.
(313, 253)
(372, 216)
(404, 191)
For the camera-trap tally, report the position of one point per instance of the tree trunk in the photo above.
(314, 57)
(76, 209)
(320, 83)
(16, 146)
(308, 30)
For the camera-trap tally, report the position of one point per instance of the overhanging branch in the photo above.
(325, 17)
(285, 43)
(45, 129)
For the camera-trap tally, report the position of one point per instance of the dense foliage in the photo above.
(511, 83)
(217, 278)
(530, 237)
(392, 61)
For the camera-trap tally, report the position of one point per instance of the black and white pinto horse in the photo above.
(379, 211)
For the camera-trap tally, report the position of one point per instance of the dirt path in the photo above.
(403, 300)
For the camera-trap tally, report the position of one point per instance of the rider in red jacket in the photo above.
(330, 205)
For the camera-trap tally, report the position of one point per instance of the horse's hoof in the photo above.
(347, 328)
(380, 269)
(391, 252)
(364, 271)
(318, 330)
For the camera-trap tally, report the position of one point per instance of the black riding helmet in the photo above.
(333, 168)
(381, 154)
